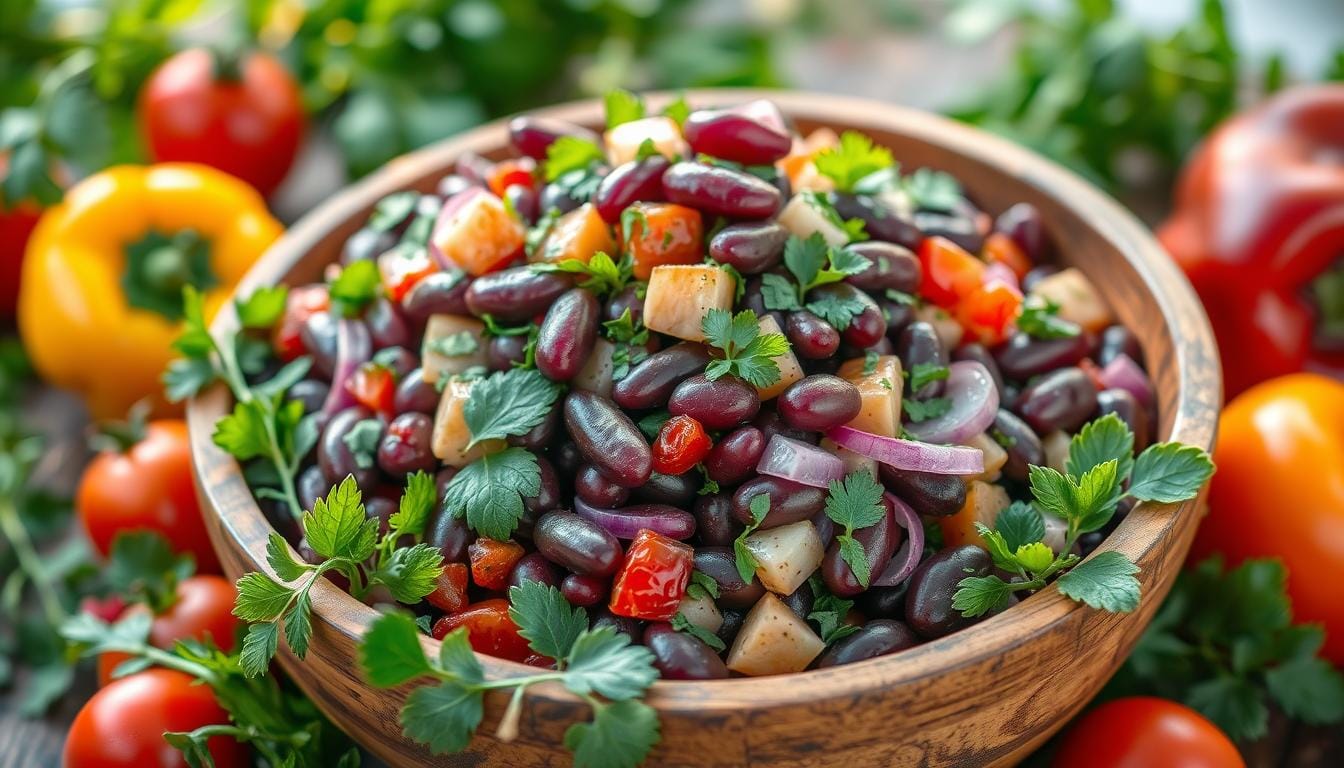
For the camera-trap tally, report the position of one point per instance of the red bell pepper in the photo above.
(490, 630)
(1259, 229)
(653, 578)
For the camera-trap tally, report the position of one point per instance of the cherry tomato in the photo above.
(949, 272)
(147, 487)
(122, 726)
(243, 117)
(490, 629)
(1146, 732)
(203, 611)
(507, 173)
(662, 233)
(1002, 249)
(375, 387)
(492, 562)
(401, 271)
(988, 312)
(681, 444)
(300, 304)
(653, 579)
(450, 590)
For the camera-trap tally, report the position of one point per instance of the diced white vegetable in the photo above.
(789, 369)
(450, 436)
(785, 556)
(623, 141)
(1078, 299)
(897, 201)
(595, 375)
(995, 456)
(444, 334)
(853, 462)
(799, 165)
(1056, 445)
(879, 393)
(802, 218)
(773, 641)
(948, 329)
(702, 612)
(479, 234)
(680, 295)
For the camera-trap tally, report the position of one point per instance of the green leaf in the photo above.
(744, 560)
(999, 551)
(356, 287)
(923, 410)
(508, 403)
(600, 274)
(652, 423)
(836, 309)
(337, 526)
(622, 107)
(746, 353)
(444, 716)
(978, 595)
(457, 658)
(410, 573)
(1170, 472)
(851, 551)
(805, 258)
(1233, 704)
(1020, 523)
(299, 625)
(682, 624)
(603, 661)
(392, 210)
(855, 501)
(1308, 689)
(777, 293)
(570, 153)
(143, 566)
(187, 376)
(678, 110)
(1099, 441)
(932, 190)
(1035, 557)
(829, 612)
(489, 492)
(923, 374)
(390, 652)
(1104, 581)
(242, 433)
(853, 158)
(259, 646)
(416, 505)
(546, 619)
(263, 308)
(702, 586)
(454, 344)
(1042, 321)
(260, 598)
(620, 736)
(1095, 497)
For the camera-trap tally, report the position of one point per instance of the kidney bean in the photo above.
(749, 247)
(311, 392)
(879, 220)
(928, 494)
(568, 334)
(866, 328)
(335, 456)
(593, 487)
(532, 135)
(810, 336)
(366, 244)
(584, 591)
(450, 535)
(504, 352)
(790, 502)
(879, 542)
(1022, 356)
(928, 604)
(635, 181)
(717, 404)
(312, 484)
(405, 445)
(1061, 399)
(632, 628)
(318, 335)
(534, 567)
(442, 479)
(441, 293)
(892, 267)
(977, 352)
(884, 602)
(608, 439)
(919, 345)
(876, 638)
(750, 134)
(525, 201)
(672, 490)
(386, 327)
(719, 564)
(650, 384)
(734, 458)
(1129, 409)
(801, 600)
(380, 509)
(548, 496)
(516, 294)
(714, 520)
(819, 402)
(1020, 442)
(825, 528)
(542, 435)
(576, 543)
(1117, 340)
(560, 198)
(679, 656)
(959, 228)
(771, 423)
(718, 191)
(732, 621)
(899, 316)
(1023, 224)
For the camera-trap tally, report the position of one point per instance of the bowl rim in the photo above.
(1150, 527)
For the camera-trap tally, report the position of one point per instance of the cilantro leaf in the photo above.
(852, 159)
(1042, 321)
(604, 661)
(259, 647)
(1099, 441)
(829, 612)
(391, 211)
(508, 403)
(356, 287)
(1034, 556)
(702, 586)
(1086, 503)
(1233, 704)
(682, 624)
(142, 566)
(678, 110)
(746, 352)
(390, 652)
(1308, 689)
(416, 505)
(1170, 472)
(855, 502)
(620, 736)
(298, 624)
(623, 107)
(978, 595)
(601, 274)
(932, 190)
(568, 154)
(837, 309)
(777, 293)
(1104, 581)
(443, 717)
(410, 573)
(263, 309)
(546, 619)
(281, 561)
(336, 527)
(805, 258)
(489, 492)
(1020, 523)
(923, 374)
(242, 433)
(187, 376)
(999, 551)
(759, 506)
(651, 424)
(260, 598)
(923, 410)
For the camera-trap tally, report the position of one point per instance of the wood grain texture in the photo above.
(986, 696)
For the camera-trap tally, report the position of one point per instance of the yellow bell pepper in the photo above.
(101, 296)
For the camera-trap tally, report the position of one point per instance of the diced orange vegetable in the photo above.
(450, 589)
(492, 562)
(375, 387)
(507, 173)
(577, 235)
(984, 501)
(879, 393)
(476, 233)
(1002, 249)
(798, 165)
(988, 313)
(663, 233)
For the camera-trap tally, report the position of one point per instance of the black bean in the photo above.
(679, 656)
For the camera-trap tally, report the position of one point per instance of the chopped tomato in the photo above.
(1002, 249)
(489, 628)
(475, 233)
(301, 304)
(507, 173)
(450, 589)
(402, 269)
(950, 273)
(989, 311)
(653, 579)
(661, 233)
(375, 387)
(681, 444)
(492, 562)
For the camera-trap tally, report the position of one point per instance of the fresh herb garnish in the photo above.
(683, 624)
(1042, 321)
(870, 360)
(931, 190)
(651, 424)
(489, 491)
(829, 612)
(263, 309)
(747, 353)
(678, 110)
(923, 374)
(746, 561)
(507, 403)
(392, 210)
(355, 288)
(600, 274)
(569, 154)
(854, 228)
(853, 503)
(923, 410)
(813, 264)
(454, 344)
(629, 337)
(702, 587)
(623, 107)
(852, 159)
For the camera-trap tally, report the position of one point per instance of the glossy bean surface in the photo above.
(514, 295)
(632, 182)
(335, 455)
(1020, 442)
(919, 345)
(927, 493)
(532, 135)
(567, 335)
(679, 656)
(405, 445)
(790, 502)
(450, 535)
(819, 402)
(719, 564)
(1061, 399)
(650, 384)
(876, 638)
(674, 490)
(879, 220)
(810, 336)
(1129, 409)
(750, 134)
(714, 521)
(879, 542)
(717, 191)
(577, 544)
(891, 267)
(928, 604)
(441, 293)
(749, 247)
(1023, 356)
(734, 457)
(594, 487)
(608, 439)
(584, 591)
(716, 404)
(1117, 340)
(534, 567)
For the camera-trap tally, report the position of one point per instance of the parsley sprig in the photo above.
(569, 154)
(599, 665)
(600, 274)
(853, 158)
(338, 531)
(743, 557)
(629, 337)
(1085, 496)
(829, 612)
(356, 287)
(1041, 320)
(814, 264)
(747, 353)
(854, 503)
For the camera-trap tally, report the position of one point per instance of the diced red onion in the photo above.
(975, 401)
(906, 559)
(1123, 373)
(353, 349)
(626, 522)
(800, 462)
(997, 270)
(450, 208)
(911, 454)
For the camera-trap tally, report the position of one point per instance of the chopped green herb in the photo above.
(855, 503)
(1042, 321)
(852, 159)
(747, 353)
(623, 107)
(683, 624)
(923, 410)
(570, 154)
(355, 288)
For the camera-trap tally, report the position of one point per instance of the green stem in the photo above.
(233, 375)
(30, 562)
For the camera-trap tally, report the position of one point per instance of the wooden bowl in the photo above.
(987, 695)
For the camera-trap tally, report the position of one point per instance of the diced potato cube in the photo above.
(773, 641)
(453, 343)
(595, 375)
(477, 235)
(786, 555)
(679, 296)
(1056, 446)
(995, 456)
(1078, 299)
(853, 462)
(802, 218)
(623, 141)
(948, 329)
(984, 501)
(450, 436)
(789, 369)
(702, 612)
(577, 235)
(880, 393)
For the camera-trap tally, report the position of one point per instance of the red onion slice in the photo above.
(910, 454)
(800, 462)
(1123, 373)
(906, 559)
(975, 401)
(626, 522)
(354, 347)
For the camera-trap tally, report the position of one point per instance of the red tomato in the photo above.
(15, 226)
(681, 444)
(401, 272)
(147, 487)
(122, 726)
(375, 387)
(988, 312)
(1146, 732)
(300, 304)
(490, 629)
(949, 272)
(653, 579)
(663, 233)
(492, 562)
(450, 590)
(248, 122)
(203, 611)
(1002, 249)
(507, 173)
